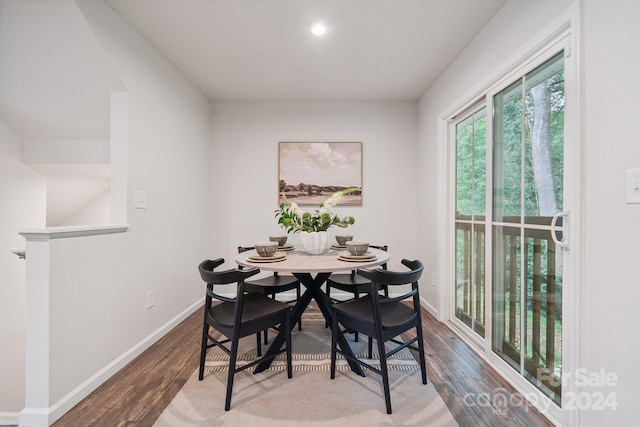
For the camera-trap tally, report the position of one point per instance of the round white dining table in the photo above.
(298, 261)
(312, 271)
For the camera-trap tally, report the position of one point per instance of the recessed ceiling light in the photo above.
(318, 29)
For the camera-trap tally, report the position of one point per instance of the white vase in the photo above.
(314, 242)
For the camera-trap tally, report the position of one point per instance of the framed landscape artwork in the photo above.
(310, 172)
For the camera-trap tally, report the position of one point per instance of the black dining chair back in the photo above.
(270, 286)
(383, 318)
(354, 284)
(351, 282)
(237, 317)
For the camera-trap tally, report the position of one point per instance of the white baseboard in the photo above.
(35, 417)
(9, 418)
(430, 308)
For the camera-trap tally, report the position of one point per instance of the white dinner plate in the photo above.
(338, 247)
(278, 256)
(286, 248)
(346, 256)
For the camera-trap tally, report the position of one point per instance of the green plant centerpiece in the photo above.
(313, 226)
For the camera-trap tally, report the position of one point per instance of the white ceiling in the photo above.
(263, 49)
(55, 80)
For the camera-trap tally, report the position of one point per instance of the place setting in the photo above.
(267, 252)
(341, 240)
(357, 251)
(282, 243)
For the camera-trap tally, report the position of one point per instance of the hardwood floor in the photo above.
(463, 379)
(137, 395)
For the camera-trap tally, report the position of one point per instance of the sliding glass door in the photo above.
(509, 239)
(528, 159)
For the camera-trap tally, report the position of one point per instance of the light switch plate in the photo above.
(140, 200)
(633, 186)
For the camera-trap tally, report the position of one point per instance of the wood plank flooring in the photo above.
(137, 394)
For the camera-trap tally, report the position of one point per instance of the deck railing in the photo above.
(541, 357)
(471, 277)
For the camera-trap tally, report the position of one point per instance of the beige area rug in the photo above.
(311, 397)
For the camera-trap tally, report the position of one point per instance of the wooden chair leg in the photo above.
(326, 322)
(203, 350)
(385, 374)
(423, 364)
(259, 343)
(266, 331)
(298, 297)
(232, 371)
(334, 340)
(356, 295)
(287, 337)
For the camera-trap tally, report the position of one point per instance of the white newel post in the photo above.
(37, 403)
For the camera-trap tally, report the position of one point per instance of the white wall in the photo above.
(22, 193)
(61, 89)
(97, 285)
(66, 151)
(77, 173)
(244, 166)
(611, 229)
(95, 211)
(168, 159)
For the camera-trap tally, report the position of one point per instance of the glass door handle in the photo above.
(564, 243)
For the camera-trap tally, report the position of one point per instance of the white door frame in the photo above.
(560, 34)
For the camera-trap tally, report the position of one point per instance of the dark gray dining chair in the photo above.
(353, 284)
(383, 318)
(271, 286)
(237, 317)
